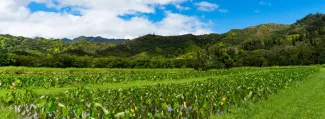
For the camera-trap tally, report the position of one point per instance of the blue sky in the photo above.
(128, 19)
(242, 13)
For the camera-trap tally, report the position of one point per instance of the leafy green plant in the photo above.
(12, 81)
(199, 99)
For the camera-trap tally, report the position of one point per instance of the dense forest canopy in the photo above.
(302, 43)
(97, 39)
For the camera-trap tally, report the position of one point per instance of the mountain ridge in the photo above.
(97, 39)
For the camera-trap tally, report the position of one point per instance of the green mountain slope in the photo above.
(97, 39)
(260, 32)
(301, 43)
(168, 46)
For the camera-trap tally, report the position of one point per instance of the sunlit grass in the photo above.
(305, 100)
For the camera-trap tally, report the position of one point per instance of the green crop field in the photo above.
(148, 93)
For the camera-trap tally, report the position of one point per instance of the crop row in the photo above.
(10, 81)
(60, 71)
(190, 100)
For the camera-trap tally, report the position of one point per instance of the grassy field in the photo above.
(172, 93)
(137, 83)
(130, 77)
(305, 100)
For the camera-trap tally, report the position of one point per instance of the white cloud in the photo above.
(266, 3)
(183, 24)
(223, 10)
(179, 7)
(100, 18)
(206, 6)
(12, 10)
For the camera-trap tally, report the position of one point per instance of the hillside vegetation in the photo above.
(97, 39)
(301, 43)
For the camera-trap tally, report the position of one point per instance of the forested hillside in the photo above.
(302, 43)
(97, 39)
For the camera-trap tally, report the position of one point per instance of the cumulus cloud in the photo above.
(183, 24)
(206, 6)
(179, 7)
(223, 10)
(98, 18)
(266, 3)
(12, 10)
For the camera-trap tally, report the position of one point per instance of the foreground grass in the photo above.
(303, 101)
(243, 114)
(8, 114)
